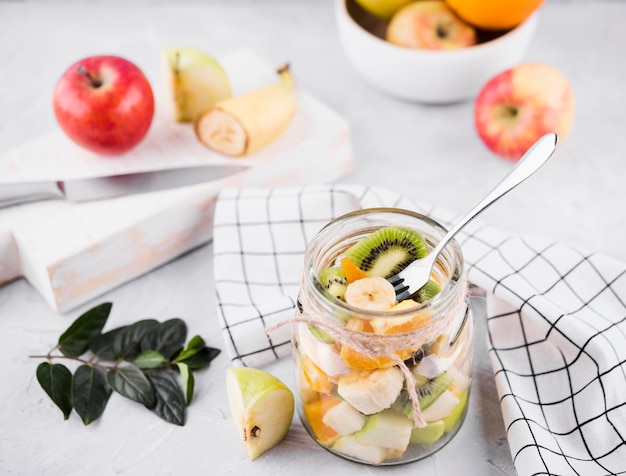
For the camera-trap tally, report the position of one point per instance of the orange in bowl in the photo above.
(494, 14)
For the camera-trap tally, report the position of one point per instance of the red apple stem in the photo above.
(95, 82)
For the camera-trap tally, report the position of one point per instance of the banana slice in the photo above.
(371, 391)
(373, 294)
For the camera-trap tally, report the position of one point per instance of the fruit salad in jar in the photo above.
(381, 381)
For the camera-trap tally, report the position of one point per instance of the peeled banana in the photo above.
(245, 124)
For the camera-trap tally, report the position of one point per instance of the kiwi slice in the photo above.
(333, 279)
(428, 390)
(387, 251)
(428, 291)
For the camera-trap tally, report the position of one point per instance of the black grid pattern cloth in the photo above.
(556, 317)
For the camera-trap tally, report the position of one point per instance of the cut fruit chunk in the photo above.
(388, 429)
(451, 420)
(314, 413)
(428, 390)
(398, 325)
(261, 407)
(442, 407)
(315, 377)
(194, 81)
(372, 294)
(334, 281)
(359, 361)
(428, 291)
(349, 446)
(371, 391)
(351, 271)
(429, 434)
(387, 251)
(344, 419)
(325, 356)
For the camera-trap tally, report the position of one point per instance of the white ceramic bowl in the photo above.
(429, 76)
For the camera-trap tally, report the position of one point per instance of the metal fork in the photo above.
(417, 274)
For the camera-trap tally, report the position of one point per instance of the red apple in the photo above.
(104, 104)
(517, 106)
(429, 24)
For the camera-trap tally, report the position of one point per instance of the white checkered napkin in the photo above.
(556, 317)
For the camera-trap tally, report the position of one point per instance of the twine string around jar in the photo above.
(376, 345)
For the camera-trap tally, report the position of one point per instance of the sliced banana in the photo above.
(372, 293)
(371, 391)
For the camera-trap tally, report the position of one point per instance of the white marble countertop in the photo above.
(426, 152)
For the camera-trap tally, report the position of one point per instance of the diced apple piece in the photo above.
(442, 407)
(349, 446)
(388, 429)
(324, 355)
(344, 419)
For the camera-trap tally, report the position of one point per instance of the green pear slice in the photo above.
(429, 434)
(388, 429)
(261, 406)
(194, 82)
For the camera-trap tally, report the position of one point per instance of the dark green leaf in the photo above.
(126, 344)
(167, 338)
(202, 358)
(149, 358)
(76, 339)
(102, 345)
(90, 392)
(170, 400)
(194, 345)
(188, 381)
(131, 382)
(56, 380)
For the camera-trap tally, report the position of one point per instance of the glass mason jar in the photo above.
(382, 387)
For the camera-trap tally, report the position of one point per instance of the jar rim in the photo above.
(329, 236)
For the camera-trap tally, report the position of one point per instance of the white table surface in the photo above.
(427, 152)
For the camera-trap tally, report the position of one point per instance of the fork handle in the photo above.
(532, 160)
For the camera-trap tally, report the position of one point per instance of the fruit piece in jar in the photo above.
(349, 446)
(429, 434)
(351, 271)
(428, 390)
(451, 420)
(371, 391)
(344, 418)
(333, 280)
(387, 251)
(428, 291)
(307, 394)
(359, 361)
(315, 377)
(388, 429)
(398, 325)
(442, 407)
(372, 294)
(324, 356)
(314, 413)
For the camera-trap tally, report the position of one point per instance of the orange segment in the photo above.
(315, 377)
(398, 325)
(356, 360)
(314, 412)
(359, 325)
(351, 270)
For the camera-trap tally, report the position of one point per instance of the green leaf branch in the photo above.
(147, 362)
